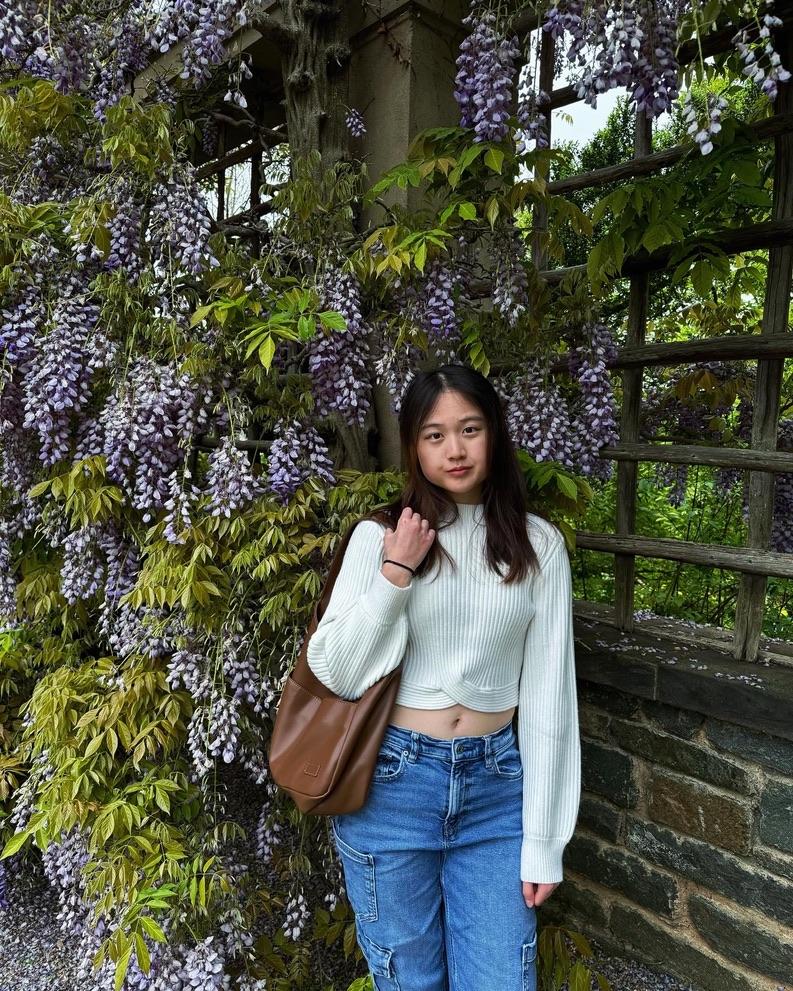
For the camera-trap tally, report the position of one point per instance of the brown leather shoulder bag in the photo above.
(323, 747)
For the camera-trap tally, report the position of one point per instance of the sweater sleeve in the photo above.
(363, 632)
(548, 733)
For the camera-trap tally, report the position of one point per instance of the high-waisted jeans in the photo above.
(432, 865)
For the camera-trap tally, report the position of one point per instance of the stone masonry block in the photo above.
(600, 817)
(760, 748)
(733, 877)
(619, 870)
(774, 862)
(593, 722)
(742, 939)
(608, 772)
(573, 899)
(776, 815)
(698, 810)
(681, 756)
(680, 722)
(612, 701)
(671, 951)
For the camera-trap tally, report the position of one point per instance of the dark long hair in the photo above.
(503, 492)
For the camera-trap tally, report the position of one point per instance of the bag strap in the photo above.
(301, 672)
(333, 571)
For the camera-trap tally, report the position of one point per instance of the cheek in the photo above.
(425, 458)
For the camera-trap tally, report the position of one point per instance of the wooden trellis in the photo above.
(754, 561)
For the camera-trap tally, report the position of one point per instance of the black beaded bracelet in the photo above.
(389, 561)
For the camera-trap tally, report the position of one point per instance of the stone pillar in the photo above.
(402, 70)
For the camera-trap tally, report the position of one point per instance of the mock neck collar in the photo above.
(470, 512)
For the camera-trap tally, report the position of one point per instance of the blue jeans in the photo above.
(432, 865)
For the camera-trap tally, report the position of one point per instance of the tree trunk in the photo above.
(315, 79)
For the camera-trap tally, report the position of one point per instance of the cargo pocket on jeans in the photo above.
(380, 963)
(358, 879)
(529, 964)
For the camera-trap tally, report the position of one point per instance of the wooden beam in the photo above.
(731, 240)
(764, 130)
(729, 347)
(539, 218)
(630, 414)
(252, 213)
(750, 607)
(241, 154)
(268, 138)
(701, 454)
(747, 560)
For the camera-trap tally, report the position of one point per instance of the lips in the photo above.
(458, 471)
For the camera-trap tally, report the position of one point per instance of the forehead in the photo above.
(452, 408)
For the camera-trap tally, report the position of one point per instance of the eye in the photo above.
(436, 434)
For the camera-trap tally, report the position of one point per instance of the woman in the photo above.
(462, 833)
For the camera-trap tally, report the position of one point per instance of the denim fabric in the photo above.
(432, 865)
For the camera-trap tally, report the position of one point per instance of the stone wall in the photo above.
(683, 852)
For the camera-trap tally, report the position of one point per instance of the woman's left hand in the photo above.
(535, 894)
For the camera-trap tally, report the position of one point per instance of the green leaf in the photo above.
(267, 351)
(702, 276)
(421, 256)
(162, 800)
(201, 313)
(38, 489)
(333, 320)
(491, 211)
(94, 745)
(471, 153)
(467, 210)
(349, 939)
(494, 159)
(121, 967)
(16, 843)
(655, 236)
(152, 929)
(566, 486)
(142, 953)
(750, 196)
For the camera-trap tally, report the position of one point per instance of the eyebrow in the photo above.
(465, 419)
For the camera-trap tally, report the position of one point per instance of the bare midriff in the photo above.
(455, 720)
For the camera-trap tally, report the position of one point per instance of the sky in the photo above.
(587, 120)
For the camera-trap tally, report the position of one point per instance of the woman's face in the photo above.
(454, 434)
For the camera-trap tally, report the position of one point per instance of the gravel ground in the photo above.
(630, 975)
(34, 956)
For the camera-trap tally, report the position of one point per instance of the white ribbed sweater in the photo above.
(466, 637)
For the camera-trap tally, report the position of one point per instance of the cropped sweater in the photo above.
(466, 637)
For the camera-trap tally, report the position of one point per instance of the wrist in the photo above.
(396, 575)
